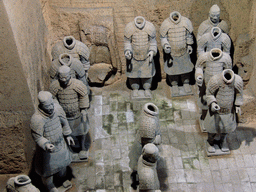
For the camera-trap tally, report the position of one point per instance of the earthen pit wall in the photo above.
(23, 72)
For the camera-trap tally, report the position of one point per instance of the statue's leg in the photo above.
(48, 183)
(223, 142)
(135, 84)
(174, 82)
(185, 82)
(146, 82)
(83, 154)
(210, 142)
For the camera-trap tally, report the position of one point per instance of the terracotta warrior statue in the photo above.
(139, 48)
(73, 47)
(76, 68)
(149, 132)
(214, 39)
(207, 65)
(72, 95)
(51, 131)
(213, 21)
(148, 179)
(224, 96)
(176, 40)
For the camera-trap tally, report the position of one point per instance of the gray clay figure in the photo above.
(73, 96)
(20, 183)
(214, 39)
(148, 178)
(149, 132)
(50, 129)
(73, 47)
(212, 21)
(209, 64)
(224, 96)
(140, 47)
(176, 40)
(76, 68)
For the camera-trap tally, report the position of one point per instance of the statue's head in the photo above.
(140, 22)
(64, 75)
(150, 153)
(214, 14)
(46, 102)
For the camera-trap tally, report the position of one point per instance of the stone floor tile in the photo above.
(185, 114)
(228, 187)
(100, 182)
(180, 176)
(182, 186)
(207, 176)
(234, 176)
(223, 164)
(192, 187)
(225, 175)
(204, 163)
(246, 186)
(237, 187)
(189, 176)
(205, 187)
(253, 185)
(178, 162)
(248, 160)
(216, 176)
(231, 162)
(219, 187)
(243, 175)
(214, 165)
(175, 149)
(170, 163)
(197, 176)
(240, 161)
(252, 174)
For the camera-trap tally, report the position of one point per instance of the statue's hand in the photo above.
(199, 81)
(151, 55)
(167, 48)
(49, 147)
(215, 107)
(70, 140)
(190, 49)
(157, 140)
(128, 55)
(238, 110)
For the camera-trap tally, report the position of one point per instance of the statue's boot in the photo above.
(54, 190)
(83, 155)
(135, 93)
(175, 90)
(147, 93)
(187, 88)
(210, 148)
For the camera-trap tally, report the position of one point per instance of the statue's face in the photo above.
(64, 79)
(48, 107)
(214, 17)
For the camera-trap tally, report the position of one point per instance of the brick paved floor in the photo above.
(184, 165)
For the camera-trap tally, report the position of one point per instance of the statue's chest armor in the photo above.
(225, 95)
(53, 129)
(140, 45)
(213, 44)
(212, 68)
(72, 52)
(69, 101)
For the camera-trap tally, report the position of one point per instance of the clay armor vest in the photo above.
(225, 96)
(140, 45)
(72, 52)
(213, 68)
(68, 99)
(177, 39)
(53, 130)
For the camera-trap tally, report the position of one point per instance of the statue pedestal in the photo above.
(201, 124)
(65, 186)
(76, 159)
(218, 151)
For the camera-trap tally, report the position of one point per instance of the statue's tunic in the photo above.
(212, 63)
(73, 47)
(214, 39)
(140, 42)
(48, 129)
(227, 96)
(207, 25)
(148, 178)
(73, 98)
(178, 35)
